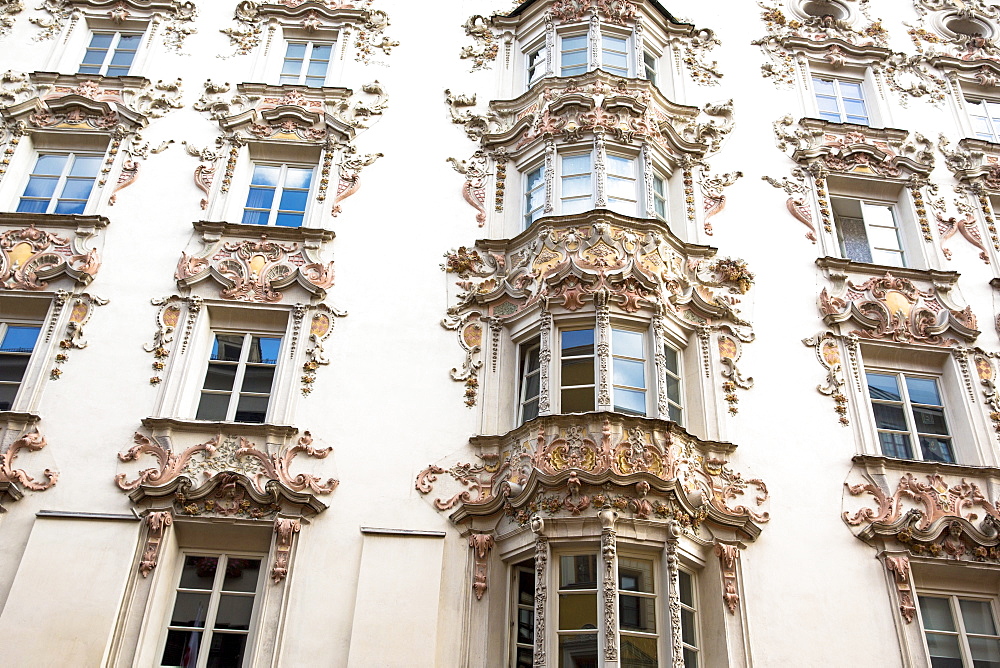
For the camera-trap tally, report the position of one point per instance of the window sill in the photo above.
(880, 464)
(836, 267)
(273, 432)
(212, 231)
(60, 220)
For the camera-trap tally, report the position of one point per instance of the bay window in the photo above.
(578, 379)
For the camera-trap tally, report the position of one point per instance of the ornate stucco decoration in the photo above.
(325, 119)
(13, 479)
(948, 31)
(253, 267)
(691, 45)
(828, 354)
(976, 166)
(9, 9)
(359, 24)
(987, 372)
(593, 106)
(174, 16)
(81, 307)
(576, 465)
(598, 259)
(926, 509)
(893, 308)
(61, 246)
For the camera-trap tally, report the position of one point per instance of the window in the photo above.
(536, 65)
(650, 65)
(985, 117)
(909, 409)
(110, 53)
(614, 55)
(213, 611)
(960, 632)
(16, 344)
(530, 371)
(577, 627)
(60, 183)
(524, 615)
(868, 231)
(279, 195)
(573, 55)
(660, 197)
(637, 612)
(622, 192)
(577, 183)
(841, 101)
(306, 63)
(689, 619)
(534, 195)
(674, 403)
(244, 361)
(578, 371)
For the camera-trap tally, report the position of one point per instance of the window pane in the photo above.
(122, 59)
(536, 178)
(266, 175)
(937, 449)
(828, 105)
(628, 343)
(321, 51)
(578, 651)
(531, 386)
(577, 400)
(241, 574)
(890, 417)
(258, 379)
(577, 342)
(883, 386)
(690, 658)
(40, 186)
(824, 87)
(179, 642)
(260, 198)
(255, 217)
(578, 611)
(578, 372)
(226, 650)
(77, 189)
(234, 612)
(635, 575)
(977, 616)
(944, 651)
(895, 445)
(296, 177)
(855, 108)
(129, 42)
(213, 407)
(7, 394)
(190, 609)
(576, 164)
(528, 412)
(619, 188)
(251, 409)
(70, 206)
(854, 239)
(923, 391)
(294, 200)
(289, 220)
(20, 339)
(525, 626)
(92, 61)
(630, 401)
(629, 373)
(673, 390)
(12, 368)
(687, 627)
(86, 165)
(936, 613)
(317, 69)
(578, 572)
(638, 652)
(199, 572)
(295, 50)
(985, 652)
(227, 347)
(573, 186)
(929, 420)
(220, 377)
(264, 349)
(686, 589)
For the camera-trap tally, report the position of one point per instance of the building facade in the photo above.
(680, 346)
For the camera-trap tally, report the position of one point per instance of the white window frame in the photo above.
(62, 179)
(657, 572)
(958, 620)
(516, 607)
(535, 71)
(661, 197)
(868, 224)
(112, 50)
(916, 450)
(279, 189)
(236, 392)
(692, 608)
(530, 215)
(310, 45)
(649, 370)
(676, 374)
(5, 325)
(992, 121)
(525, 351)
(204, 645)
(839, 98)
(602, 50)
(651, 65)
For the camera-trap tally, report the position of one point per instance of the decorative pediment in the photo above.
(575, 465)
(965, 31)
(266, 473)
(176, 16)
(928, 509)
(252, 265)
(32, 258)
(858, 150)
(363, 26)
(13, 479)
(898, 308)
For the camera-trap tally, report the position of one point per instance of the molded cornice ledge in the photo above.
(212, 231)
(835, 267)
(272, 432)
(60, 220)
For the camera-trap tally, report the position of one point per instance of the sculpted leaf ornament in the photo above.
(169, 465)
(32, 442)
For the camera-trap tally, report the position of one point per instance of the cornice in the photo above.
(842, 266)
(58, 220)
(880, 464)
(270, 431)
(211, 231)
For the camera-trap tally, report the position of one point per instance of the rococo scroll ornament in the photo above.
(175, 16)
(12, 479)
(30, 258)
(81, 306)
(827, 348)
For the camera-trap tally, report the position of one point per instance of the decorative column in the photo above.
(550, 170)
(541, 588)
(639, 51)
(647, 180)
(594, 38)
(550, 44)
(545, 336)
(674, 596)
(660, 359)
(609, 586)
(603, 350)
(600, 169)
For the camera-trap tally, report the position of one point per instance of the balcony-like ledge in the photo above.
(575, 465)
(212, 231)
(61, 221)
(272, 432)
(837, 269)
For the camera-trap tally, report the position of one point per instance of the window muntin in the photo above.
(909, 409)
(16, 344)
(534, 195)
(868, 231)
(530, 380)
(577, 622)
(660, 197)
(985, 117)
(675, 402)
(572, 55)
(689, 619)
(213, 611)
(524, 615)
(577, 370)
(306, 63)
(637, 612)
(960, 632)
(535, 62)
(576, 183)
(628, 365)
(278, 195)
(622, 186)
(614, 55)
(110, 53)
(841, 101)
(244, 361)
(60, 183)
